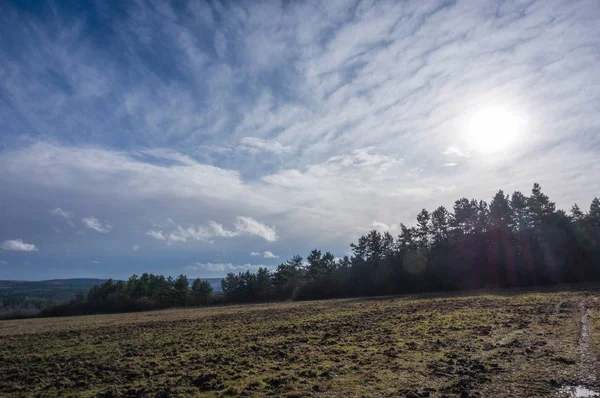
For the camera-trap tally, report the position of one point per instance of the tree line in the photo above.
(16, 306)
(138, 293)
(512, 241)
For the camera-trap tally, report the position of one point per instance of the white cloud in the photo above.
(450, 164)
(385, 227)
(244, 226)
(95, 261)
(58, 212)
(100, 173)
(224, 267)
(213, 267)
(290, 203)
(254, 253)
(18, 245)
(169, 154)
(268, 254)
(452, 150)
(96, 225)
(250, 226)
(156, 235)
(258, 144)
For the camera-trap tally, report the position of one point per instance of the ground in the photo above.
(493, 345)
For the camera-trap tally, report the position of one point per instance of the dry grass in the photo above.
(501, 346)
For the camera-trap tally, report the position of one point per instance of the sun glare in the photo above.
(493, 129)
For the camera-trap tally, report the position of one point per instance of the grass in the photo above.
(494, 345)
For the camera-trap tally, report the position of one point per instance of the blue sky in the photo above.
(206, 137)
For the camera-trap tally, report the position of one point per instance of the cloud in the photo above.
(213, 267)
(18, 245)
(101, 172)
(454, 151)
(156, 235)
(194, 140)
(224, 267)
(268, 254)
(249, 226)
(258, 144)
(95, 261)
(290, 203)
(385, 227)
(68, 217)
(97, 225)
(244, 226)
(169, 154)
(450, 164)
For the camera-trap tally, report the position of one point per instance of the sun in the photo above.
(493, 129)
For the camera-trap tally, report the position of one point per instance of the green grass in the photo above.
(495, 345)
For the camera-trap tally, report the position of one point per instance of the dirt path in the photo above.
(587, 363)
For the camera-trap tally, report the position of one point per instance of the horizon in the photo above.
(77, 278)
(202, 139)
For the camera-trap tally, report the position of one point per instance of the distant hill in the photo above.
(27, 298)
(55, 289)
(214, 282)
(64, 289)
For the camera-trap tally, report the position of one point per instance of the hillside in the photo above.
(55, 289)
(28, 298)
(63, 289)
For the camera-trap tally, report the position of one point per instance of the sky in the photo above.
(212, 137)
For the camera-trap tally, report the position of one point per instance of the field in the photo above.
(502, 345)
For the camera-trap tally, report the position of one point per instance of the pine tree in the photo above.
(500, 211)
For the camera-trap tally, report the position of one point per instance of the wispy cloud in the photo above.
(452, 150)
(297, 116)
(243, 226)
(156, 235)
(250, 226)
(18, 245)
(96, 225)
(169, 154)
(254, 253)
(258, 144)
(67, 216)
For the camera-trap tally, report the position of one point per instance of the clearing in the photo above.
(502, 345)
